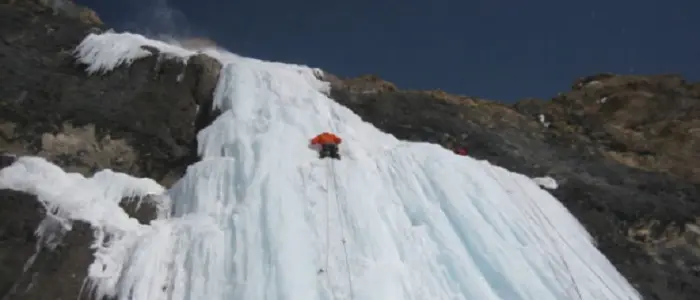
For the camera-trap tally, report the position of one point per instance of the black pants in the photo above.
(329, 150)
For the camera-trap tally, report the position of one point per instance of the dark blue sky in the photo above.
(494, 49)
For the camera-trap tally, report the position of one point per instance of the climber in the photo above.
(329, 145)
(460, 151)
(452, 144)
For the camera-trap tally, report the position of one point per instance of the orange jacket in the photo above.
(326, 138)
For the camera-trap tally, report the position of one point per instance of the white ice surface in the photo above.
(260, 214)
(106, 51)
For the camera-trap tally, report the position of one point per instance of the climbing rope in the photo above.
(540, 224)
(543, 218)
(332, 178)
(342, 232)
(331, 173)
(328, 234)
(539, 216)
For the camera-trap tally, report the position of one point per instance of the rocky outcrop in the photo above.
(69, 9)
(139, 120)
(642, 211)
(646, 122)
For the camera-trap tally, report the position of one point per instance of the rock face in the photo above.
(623, 148)
(138, 120)
(651, 123)
(627, 171)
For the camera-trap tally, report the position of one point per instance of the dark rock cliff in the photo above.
(138, 120)
(623, 148)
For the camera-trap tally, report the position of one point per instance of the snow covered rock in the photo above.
(42, 252)
(137, 120)
(546, 182)
(645, 122)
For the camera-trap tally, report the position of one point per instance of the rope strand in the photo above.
(328, 232)
(542, 215)
(332, 178)
(342, 232)
(556, 248)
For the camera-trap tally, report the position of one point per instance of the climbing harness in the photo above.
(332, 178)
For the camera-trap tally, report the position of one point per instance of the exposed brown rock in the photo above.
(646, 122)
(68, 8)
(197, 43)
(366, 84)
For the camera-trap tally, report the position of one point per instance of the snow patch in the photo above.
(594, 84)
(543, 121)
(546, 182)
(106, 51)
